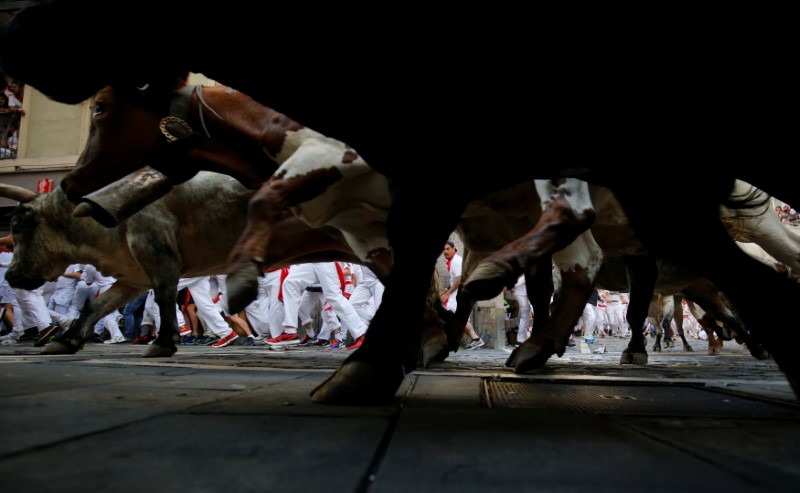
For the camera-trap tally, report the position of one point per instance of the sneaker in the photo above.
(116, 340)
(210, 341)
(31, 334)
(226, 340)
(188, 340)
(185, 330)
(11, 336)
(249, 341)
(589, 341)
(284, 340)
(475, 344)
(571, 342)
(95, 338)
(46, 335)
(357, 344)
(321, 342)
(336, 344)
(307, 341)
(141, 340)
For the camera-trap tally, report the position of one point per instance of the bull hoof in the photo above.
(434, 349)
(157, 351)
(657, 348)
(359, 383)
(633, 358)
(715, 349)
(531, 355)
(687, 348)
(669, 344)
(512, 357)
(60, 347)
(242, 287)
(489, 279)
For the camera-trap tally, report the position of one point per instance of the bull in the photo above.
(187, 233)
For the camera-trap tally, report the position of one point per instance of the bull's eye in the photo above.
(22, 221)
(99, 107)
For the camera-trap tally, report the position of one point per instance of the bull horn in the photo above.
(14, 192)
(118, 201)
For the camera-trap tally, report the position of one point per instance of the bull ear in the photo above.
(14, 192)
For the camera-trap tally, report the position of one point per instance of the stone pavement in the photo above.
(239, 419)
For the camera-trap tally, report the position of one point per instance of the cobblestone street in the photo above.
(240, 418)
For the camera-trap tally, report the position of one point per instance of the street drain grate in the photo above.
(629, 399)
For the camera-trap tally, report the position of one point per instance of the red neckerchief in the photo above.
(284, 273)
(448, 263)
(342, 280)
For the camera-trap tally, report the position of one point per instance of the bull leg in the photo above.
(722, 313)
(169, 333)
(666, 326)
(714, 343)
(436, 319)
(567, 212)
(70, 340)
(579, 264)
(642, 274)
(553, 337)
(540, 290)
(657, 344)
(677, 315)
(268, 206)
(539, 285)
(713, 258)
(375, 371)
(246, 260)
(73, 338)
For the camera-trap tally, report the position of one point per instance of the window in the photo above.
(11, 113)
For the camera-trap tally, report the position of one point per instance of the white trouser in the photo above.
(207, 310)
(324, 274)
(275, 308)
(330, 322)
(110, 323)
(33, 309)
(61, 300)
(366, 298)
(258, 310)
(152, 313)
(589, 318)
(615, 311)
(524, 314)
(83, 292)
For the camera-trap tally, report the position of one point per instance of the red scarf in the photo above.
(284, 273)
(448, 263)
(342, 280)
